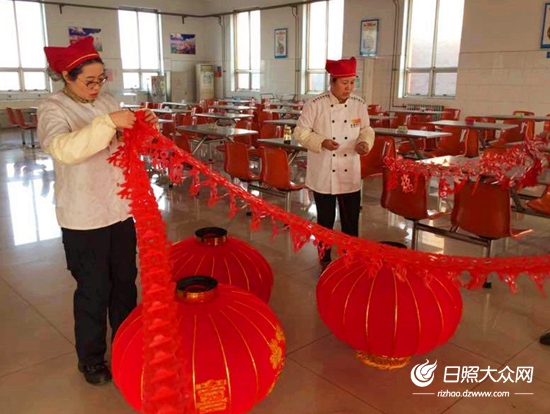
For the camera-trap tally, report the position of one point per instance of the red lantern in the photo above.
(388, 317)
(226, 259)
(232, 344)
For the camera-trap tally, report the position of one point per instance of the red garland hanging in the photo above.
(161, 368)
(517, 166)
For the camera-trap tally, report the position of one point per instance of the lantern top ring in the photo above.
(213, 236)
(197, 289)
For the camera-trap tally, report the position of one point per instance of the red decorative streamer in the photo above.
(515, 167)
(163, 379)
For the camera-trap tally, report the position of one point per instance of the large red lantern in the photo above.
(231, 343)
(387, 317)
(227, 259)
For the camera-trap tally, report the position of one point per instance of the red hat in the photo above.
(343, 68)
(66, 58)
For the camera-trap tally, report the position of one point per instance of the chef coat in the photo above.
(80, 137)
(323, 117)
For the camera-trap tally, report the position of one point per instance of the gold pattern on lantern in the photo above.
(382, 362)
(211, 396)
(277, 356)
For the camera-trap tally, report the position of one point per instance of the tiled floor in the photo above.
(38, 372)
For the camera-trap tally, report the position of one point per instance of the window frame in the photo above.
(141, 71)
(20, 70)
(251, 72)
(433, 70)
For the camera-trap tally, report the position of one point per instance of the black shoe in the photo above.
(487, 285)
(545, 339)
(96, 374)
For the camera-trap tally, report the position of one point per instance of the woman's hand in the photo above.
(149, 116)
(362, 148)
(123, 119)
(330, 144)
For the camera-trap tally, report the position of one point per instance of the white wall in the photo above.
(501, 66)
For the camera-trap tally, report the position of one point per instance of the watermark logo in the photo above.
(422, 375)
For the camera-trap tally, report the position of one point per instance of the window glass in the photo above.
(247, 50)
(140, 48)
(9, 81)
(22, 48)
(433, 47)
(31, 42)
(325, 30)
(34, 81)
(445, 84)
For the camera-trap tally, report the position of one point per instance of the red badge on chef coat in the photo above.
(356, 122)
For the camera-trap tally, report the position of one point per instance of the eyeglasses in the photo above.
(92, 84)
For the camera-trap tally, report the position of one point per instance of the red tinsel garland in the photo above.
(517, 167)
(163, 371)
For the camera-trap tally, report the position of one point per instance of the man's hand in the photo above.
(330, 144)
(362, 148)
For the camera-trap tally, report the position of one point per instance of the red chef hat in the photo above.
(66, 58)
(343, 68)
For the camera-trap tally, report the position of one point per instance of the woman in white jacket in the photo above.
(78, 128)
(334, 127)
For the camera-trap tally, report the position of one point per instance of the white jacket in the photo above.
(80, 137)
(339, 171)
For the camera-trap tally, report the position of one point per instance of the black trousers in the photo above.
(103, 263)
(349, 205)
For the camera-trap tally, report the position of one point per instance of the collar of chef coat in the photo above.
(334, 100)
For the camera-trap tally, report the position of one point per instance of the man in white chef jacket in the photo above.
(334, 127)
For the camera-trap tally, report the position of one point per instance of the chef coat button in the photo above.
(345, 170)
(345, 120)
(345, 155)
(334, 155)
(345, 137)
(332, 106)
(333, 121)
(333, 170)
(333, 137)
(346, 106)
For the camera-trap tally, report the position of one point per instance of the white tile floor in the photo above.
(38, 373)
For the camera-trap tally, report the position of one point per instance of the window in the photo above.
(22, 61)
(433, 47)
(139, 47)
(247, 50)
(325, 31)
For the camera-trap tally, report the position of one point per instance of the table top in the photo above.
(286, 121)
(177, 103)
(284, 111)
(416, 111)
(171, 111)
(232, 100)
(130, 106)
(225, 116)
(233, 107)
(381, 117)
(536, 118)
(411, 133)
(476, 125)
(280, 142)
(222, 131)
(283, 103)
